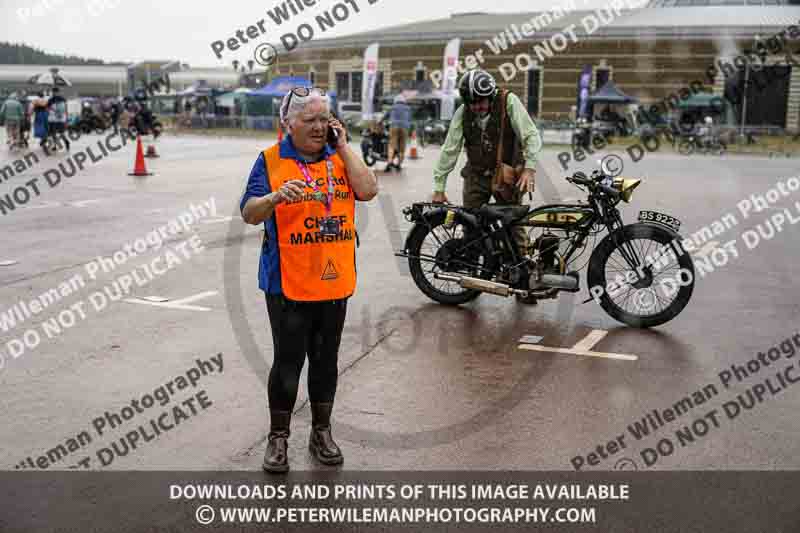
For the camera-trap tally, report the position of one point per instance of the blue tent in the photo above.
(609, 94)
(280, 86)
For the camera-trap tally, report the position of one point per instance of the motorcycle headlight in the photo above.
(626, 186)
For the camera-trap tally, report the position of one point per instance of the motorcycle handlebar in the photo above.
(580, 178)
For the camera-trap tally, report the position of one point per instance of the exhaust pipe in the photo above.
(554, 281)
(478, 284)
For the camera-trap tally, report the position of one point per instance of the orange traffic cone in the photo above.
(139, 168)
(412, 154)
(151, 150)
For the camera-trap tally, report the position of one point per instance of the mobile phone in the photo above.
(333, 136)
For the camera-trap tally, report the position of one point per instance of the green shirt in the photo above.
(523, 126)
(12, 110)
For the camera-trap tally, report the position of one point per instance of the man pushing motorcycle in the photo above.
(502, 145)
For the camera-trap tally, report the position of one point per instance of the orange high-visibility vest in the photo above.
(314, 267)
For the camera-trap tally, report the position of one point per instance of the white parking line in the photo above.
(217, 220)
(594, 336)
(8, 263)
(582, 347)
(707, 248)
(44, 205)
(177, 304)
(84, 203)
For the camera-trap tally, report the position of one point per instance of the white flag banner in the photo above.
(449, 74)
(369, 80)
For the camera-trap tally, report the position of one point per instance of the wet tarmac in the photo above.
(421, 386)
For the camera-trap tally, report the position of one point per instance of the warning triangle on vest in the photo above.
(330, 271)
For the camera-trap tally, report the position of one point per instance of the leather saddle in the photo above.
(505, 213)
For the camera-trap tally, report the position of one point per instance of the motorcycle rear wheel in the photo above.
(446, 244)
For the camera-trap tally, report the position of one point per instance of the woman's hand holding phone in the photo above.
(337, 135)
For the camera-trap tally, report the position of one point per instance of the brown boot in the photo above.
(276, 458)
(320, 443)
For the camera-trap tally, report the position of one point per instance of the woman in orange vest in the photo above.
(303, 190)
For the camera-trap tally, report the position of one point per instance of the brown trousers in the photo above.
(478, 191)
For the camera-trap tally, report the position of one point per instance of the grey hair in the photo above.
(293, 104)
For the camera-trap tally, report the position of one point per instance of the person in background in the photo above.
(12, 112)
(400, 120)
(57, 120)
(40, 114)
(187, 113)
(705, 132)
(125, 117)
(114, 111)
(304, 190)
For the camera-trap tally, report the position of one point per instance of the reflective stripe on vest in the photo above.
(314, 267)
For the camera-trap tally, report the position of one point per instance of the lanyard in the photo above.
(311, 183)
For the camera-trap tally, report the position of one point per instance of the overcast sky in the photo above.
(135, 30)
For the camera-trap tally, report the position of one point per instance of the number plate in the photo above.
(660, 218)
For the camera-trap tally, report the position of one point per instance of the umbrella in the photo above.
(52, 78)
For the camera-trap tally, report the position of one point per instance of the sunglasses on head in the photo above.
(301, 92)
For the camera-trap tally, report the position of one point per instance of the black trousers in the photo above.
(301, 329)
(58, 132)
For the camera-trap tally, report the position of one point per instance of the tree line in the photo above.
(22, 54)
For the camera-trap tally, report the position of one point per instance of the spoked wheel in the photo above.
(639, 278)
(450, 250)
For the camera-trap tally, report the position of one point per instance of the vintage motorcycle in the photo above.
(638, 273)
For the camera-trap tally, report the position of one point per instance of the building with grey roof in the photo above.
(110, 80)
(649, 52)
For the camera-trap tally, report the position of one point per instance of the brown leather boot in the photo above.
(320, 443)
(276, 458)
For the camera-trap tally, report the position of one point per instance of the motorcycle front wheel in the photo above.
(454, 253)
(639, 278)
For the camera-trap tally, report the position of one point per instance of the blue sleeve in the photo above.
(257, 183)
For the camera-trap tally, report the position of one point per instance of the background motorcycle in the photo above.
(713, 145)
(433, 131)
(584, 135)
(375, 144)
(638, 273)
(146, 123)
